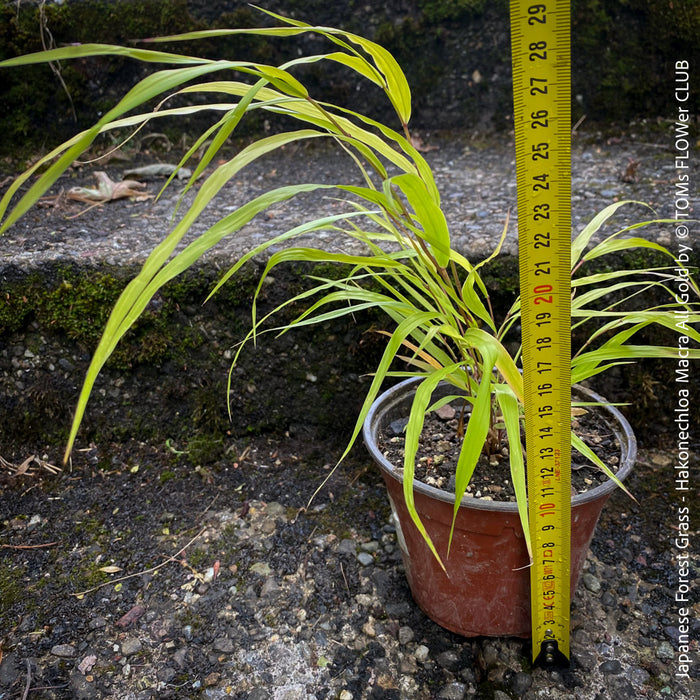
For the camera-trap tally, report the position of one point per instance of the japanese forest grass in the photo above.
(444, 327)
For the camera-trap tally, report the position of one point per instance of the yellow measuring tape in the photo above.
(540, 34)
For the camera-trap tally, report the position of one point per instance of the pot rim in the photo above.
(388, 400)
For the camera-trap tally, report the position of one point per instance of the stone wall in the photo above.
(455, 54)
(168, 378)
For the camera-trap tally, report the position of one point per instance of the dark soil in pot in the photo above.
(441, 441)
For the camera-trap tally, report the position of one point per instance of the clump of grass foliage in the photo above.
(444, 328)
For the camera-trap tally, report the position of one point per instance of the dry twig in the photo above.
(29, 680)
(171, 558)
(25, 469)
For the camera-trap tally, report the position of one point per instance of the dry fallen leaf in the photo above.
(27, 468)
(420, 145)
(25, 465)
(110, 569)
(108, 190)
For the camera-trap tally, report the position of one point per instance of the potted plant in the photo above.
(444, 330)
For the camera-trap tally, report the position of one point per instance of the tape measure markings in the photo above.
(541, 90)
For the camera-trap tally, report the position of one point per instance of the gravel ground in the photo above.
(476, 180)
(158, 580)
(140, 574)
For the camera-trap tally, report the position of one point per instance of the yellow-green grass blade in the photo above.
(155, 273)
(510, 409)
(397, 88)
(393, 79)
(303, 110)
(582, 239)
(581, 366)
(682, 325)
(480, 339)
(473, 301)
(585, 370)
(151, 86)
(474, 437)
(581, 301)
(580, 445)
(421, 401)
(663, 273)
(428, 213)
(66, 53)
(620, 244)
(402, 331)
(324, 223)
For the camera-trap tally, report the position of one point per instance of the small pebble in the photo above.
(166, 674)
(365, 558)
(672, 632)
(452, 691)
(448, 660)
(97, 623)
(586, 660)
(637, 675)
(66, 364)
(490, 656)
(180, 657)
(347, 546)
(665, 651)
(422, 652)
(261, 568)
(608, 600)
(612, 667)
(591, 582)
(259, 694)
(405, 635)
(270, 588)
(520, 683)
(212, 679)
(397, 427)
(223, 645)
(446, 412)
(131, 646)
(64, 651)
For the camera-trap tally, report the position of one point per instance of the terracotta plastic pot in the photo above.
(486, 590)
